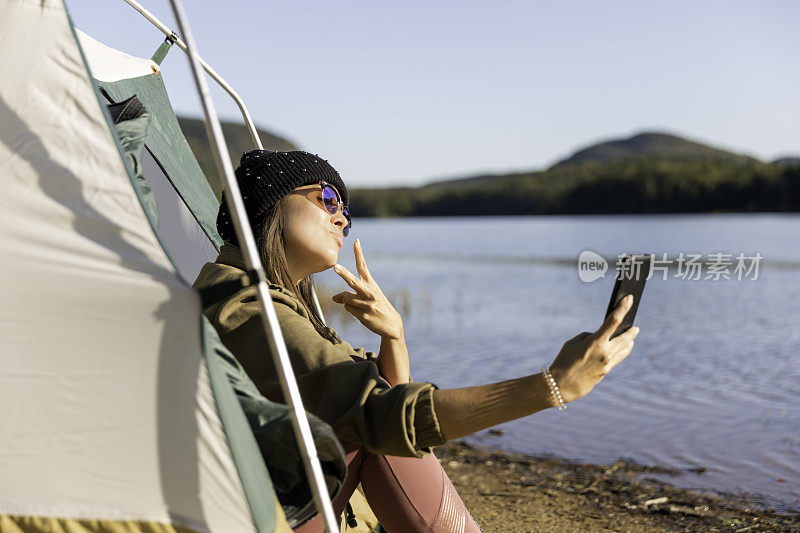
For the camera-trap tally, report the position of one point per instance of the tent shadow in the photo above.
(175, 443)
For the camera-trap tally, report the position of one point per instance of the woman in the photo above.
(297, 206)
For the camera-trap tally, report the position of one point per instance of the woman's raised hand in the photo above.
(368, 303)
(586, 358)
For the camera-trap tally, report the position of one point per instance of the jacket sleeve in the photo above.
(349, 395)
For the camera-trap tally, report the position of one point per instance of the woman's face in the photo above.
(312, 236)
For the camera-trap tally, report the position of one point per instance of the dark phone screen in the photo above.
(631, 276)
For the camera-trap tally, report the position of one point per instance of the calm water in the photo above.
(713, 381)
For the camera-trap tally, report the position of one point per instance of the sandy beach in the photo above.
(513, 492)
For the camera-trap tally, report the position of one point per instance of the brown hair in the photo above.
(269, 240)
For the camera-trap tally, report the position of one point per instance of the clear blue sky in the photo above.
(407, 92)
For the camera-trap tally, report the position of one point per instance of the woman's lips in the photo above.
(338, 238)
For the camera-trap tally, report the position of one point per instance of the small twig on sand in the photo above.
(656, 501)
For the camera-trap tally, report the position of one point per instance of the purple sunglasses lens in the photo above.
(330, 199)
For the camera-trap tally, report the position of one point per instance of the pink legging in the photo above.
(406, 494)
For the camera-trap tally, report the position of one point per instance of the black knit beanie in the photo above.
(265, 177)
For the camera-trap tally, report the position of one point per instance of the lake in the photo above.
(713, 382)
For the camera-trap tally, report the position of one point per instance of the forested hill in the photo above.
(648, 173)
(654, 145)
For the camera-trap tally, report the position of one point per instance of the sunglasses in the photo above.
(332, 202)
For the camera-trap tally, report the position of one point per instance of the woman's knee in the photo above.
(410, 494)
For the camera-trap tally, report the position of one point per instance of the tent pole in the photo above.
(251, 128)
(317, 307)
(269, 318)
(248, 121)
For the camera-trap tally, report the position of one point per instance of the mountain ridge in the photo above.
(649, 172)
(654, 144)
(645, 144)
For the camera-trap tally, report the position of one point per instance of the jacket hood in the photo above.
(230, 266)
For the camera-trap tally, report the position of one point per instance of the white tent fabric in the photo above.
(109, 64)
(107, 411)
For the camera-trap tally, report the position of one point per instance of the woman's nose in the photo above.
(338, 218)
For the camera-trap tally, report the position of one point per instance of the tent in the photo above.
(122, 410)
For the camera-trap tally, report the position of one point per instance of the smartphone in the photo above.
(632, 272)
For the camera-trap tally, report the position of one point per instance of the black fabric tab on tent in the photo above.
(126, 110)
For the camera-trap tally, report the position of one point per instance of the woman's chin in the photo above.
(332, 259)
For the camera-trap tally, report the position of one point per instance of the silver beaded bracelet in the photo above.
(553, 388)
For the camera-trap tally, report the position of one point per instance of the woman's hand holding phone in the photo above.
(586, 358)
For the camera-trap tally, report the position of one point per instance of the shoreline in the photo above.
(507, 491)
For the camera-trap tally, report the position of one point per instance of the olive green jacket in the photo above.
(348, 394)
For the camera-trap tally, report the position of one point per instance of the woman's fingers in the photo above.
(627, 336)
(586, 358)
(361, 263)
(342, 297)
(613, 320)
(361, 314)
(358, 283)
(348, 277)
(624, 351)
(350, 298)
(620, 347)
(368, 304)
(353, 310)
